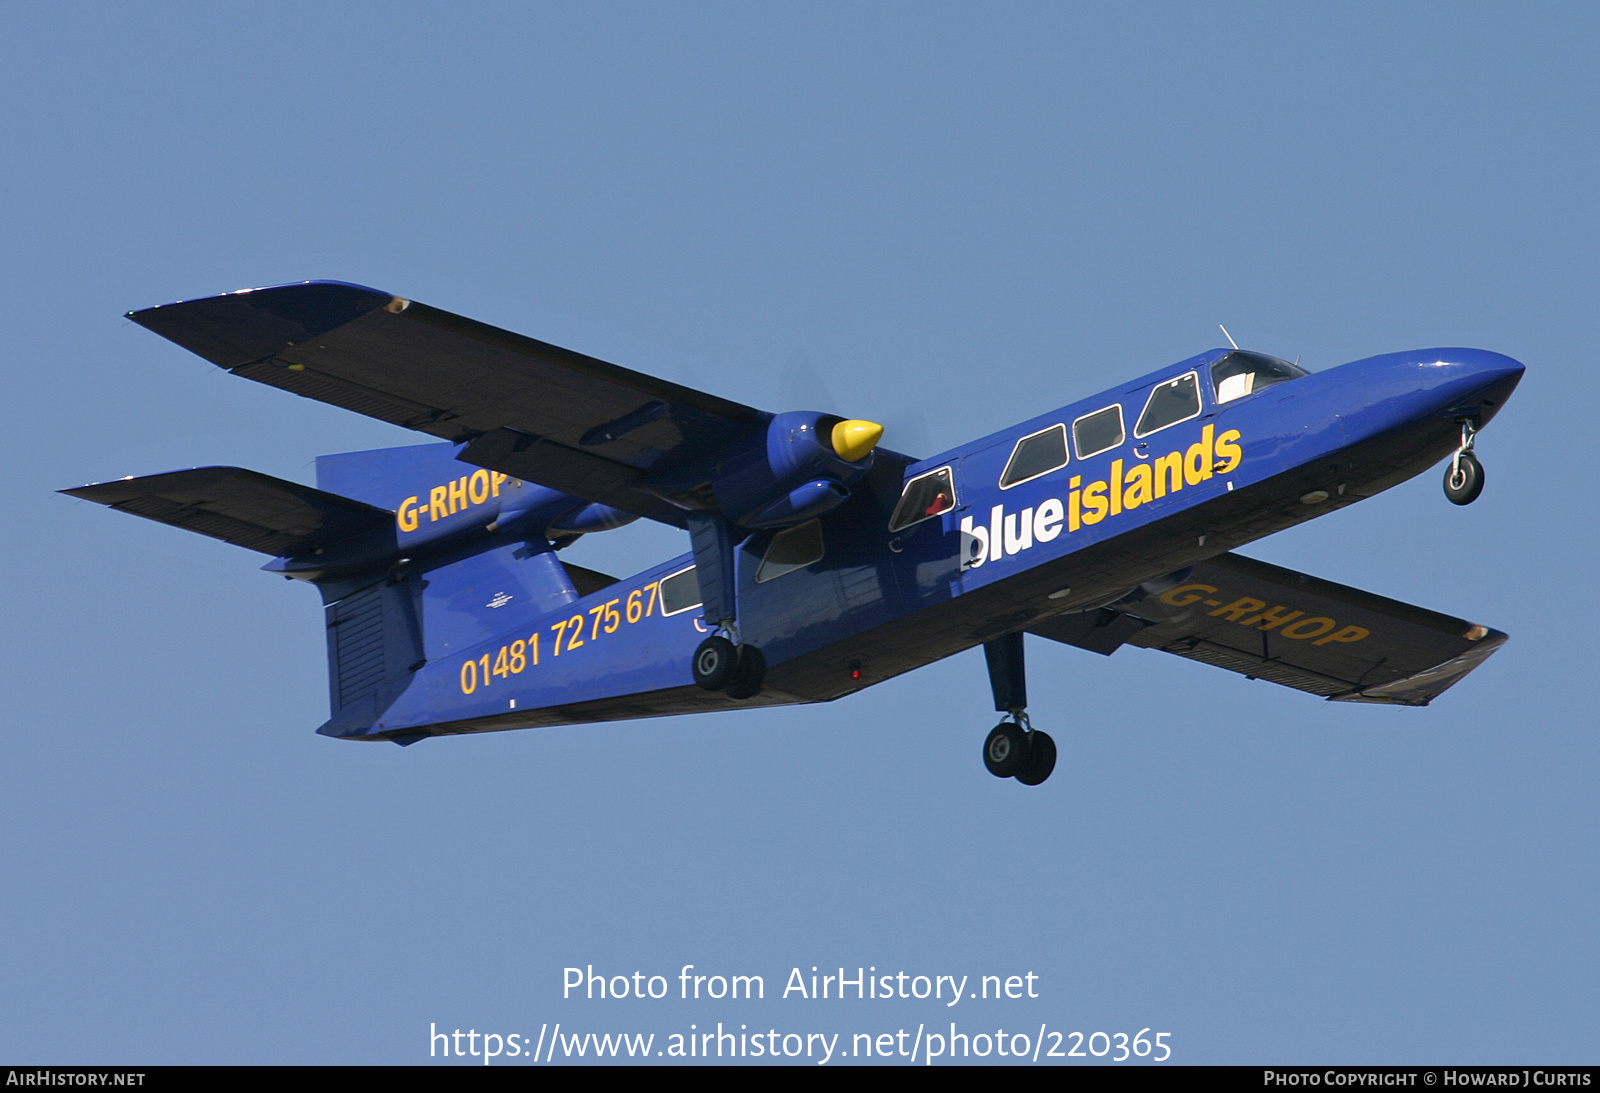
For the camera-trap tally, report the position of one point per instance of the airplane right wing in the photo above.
(1265, 622)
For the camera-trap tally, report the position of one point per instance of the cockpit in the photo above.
(1242, 373)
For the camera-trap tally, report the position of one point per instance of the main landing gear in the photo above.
(721, 664)
(1014, 748)
(1463, 478)
(736, 670)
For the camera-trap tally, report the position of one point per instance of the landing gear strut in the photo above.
(721, 662)
(1014, 748)
(1463, 478)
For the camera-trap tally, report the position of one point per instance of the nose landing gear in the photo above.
(1014, 748)
(1463, 478)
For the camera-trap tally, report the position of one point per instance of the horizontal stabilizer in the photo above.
(1265, 622)
(546, 414)
(241, 507)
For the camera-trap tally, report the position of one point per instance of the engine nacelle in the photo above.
(804, 503)
(587, 518)
(793, 470)
(530, 510)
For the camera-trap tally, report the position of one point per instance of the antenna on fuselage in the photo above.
(1225, 334)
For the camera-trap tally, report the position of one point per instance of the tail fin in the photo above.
(389, 607)
(374, 644)
(384, 476)
(381, 632)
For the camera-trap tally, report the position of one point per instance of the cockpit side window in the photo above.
(1098, 432)
(1243, 373)
(925, 496)
(1036, 455)
(1169, 403)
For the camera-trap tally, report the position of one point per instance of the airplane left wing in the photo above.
(526, 408)
(1266, 622)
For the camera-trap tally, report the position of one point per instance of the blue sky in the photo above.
(946, 217)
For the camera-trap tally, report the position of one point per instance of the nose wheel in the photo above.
(1463, 478)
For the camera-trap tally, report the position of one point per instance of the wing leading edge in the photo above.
(523, 407)
(1265, 622)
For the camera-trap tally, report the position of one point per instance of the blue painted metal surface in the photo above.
(462, 618)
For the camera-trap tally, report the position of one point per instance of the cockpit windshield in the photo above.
(1241, 373)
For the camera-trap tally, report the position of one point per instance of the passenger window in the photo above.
(1241, 373)
(680, 591)
(1035, 455)
(925, 496)
(1098, 432)
(1169, 404)
(791, 549)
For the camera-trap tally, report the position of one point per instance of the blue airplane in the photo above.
(821, 562)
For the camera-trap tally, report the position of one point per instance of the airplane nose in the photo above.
(1469, 382)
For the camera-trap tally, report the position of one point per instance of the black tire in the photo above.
(748, 674)
(714, 663)
(1005, 749)
(1041, 759)
(1463, 479)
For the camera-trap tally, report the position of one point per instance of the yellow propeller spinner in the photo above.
(853, 440)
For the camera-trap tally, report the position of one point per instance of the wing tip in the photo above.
(235, 328)
(260, 291)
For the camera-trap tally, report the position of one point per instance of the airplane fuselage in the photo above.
(990, 560)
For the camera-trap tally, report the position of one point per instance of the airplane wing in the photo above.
(1265, 622)
(525, 408)
(241, 507)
